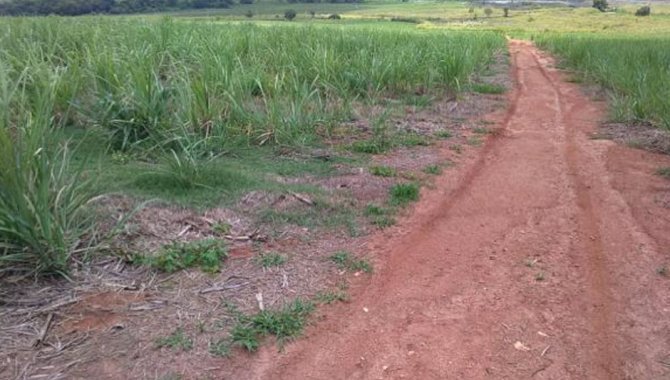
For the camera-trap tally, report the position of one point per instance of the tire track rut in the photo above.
(527, 263)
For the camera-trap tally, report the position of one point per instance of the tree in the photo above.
(289, 14)
(600, 5)
(488, 12)
(643, 11)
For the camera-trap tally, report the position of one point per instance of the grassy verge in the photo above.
(635, 70)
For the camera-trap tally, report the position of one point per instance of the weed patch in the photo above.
(206, 254)
(444, 134)
(270, 259)
(379, 216)
(383, 171)
(219, 348)
(372, 146)
(404, 193)
(458, 148)
(284, 324)
(178, 340)
(432, 169)
(474, 141)
(332, 296)
(663, 172)
(345, 260)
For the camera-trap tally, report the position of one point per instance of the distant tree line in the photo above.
(80, 7)
(324, 1)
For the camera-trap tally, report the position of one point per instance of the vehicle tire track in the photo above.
(526, 263)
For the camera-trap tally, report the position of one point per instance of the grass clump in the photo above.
(44, 197)
(270, 259)
(219, 347)
(372, 146)
(444, 134)
(332, 296)
(206, 254)
(412, 139)
(383, 171)
(664, 172)
(404, 193)
(433, 169)
(284, 324)
(379, 216)
(176, 341)
(345, 260)
(474, 141)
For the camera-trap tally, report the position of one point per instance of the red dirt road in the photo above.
(538, 261)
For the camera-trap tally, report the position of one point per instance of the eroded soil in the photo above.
(539, 260)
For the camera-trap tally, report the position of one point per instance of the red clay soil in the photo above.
(539, 261)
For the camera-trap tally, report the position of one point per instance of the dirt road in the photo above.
(539, 261)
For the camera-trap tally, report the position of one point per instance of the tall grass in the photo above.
(142, 80)
(636, 70)
(183, 91)
(42, 202)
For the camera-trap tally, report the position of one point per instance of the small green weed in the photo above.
(332, 296)
(474, 141)
(379, 216)
(404, 193)
(220, 348)
(361, 265)
(345, 260)
(663, 271)
(374, 210)
(481, 130)
(412, 139)
(383, 171)
(176, 340)
(539, 277)
(207, 254)
(270, 259)
(456, 148)
(284, 324)
(246, 337)
(432, 169)
(383, 221)
(221, 228)
(340, 258)
(444, 134)
(373, 146)
(664, 172)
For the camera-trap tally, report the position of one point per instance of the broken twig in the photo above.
(44, 331)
